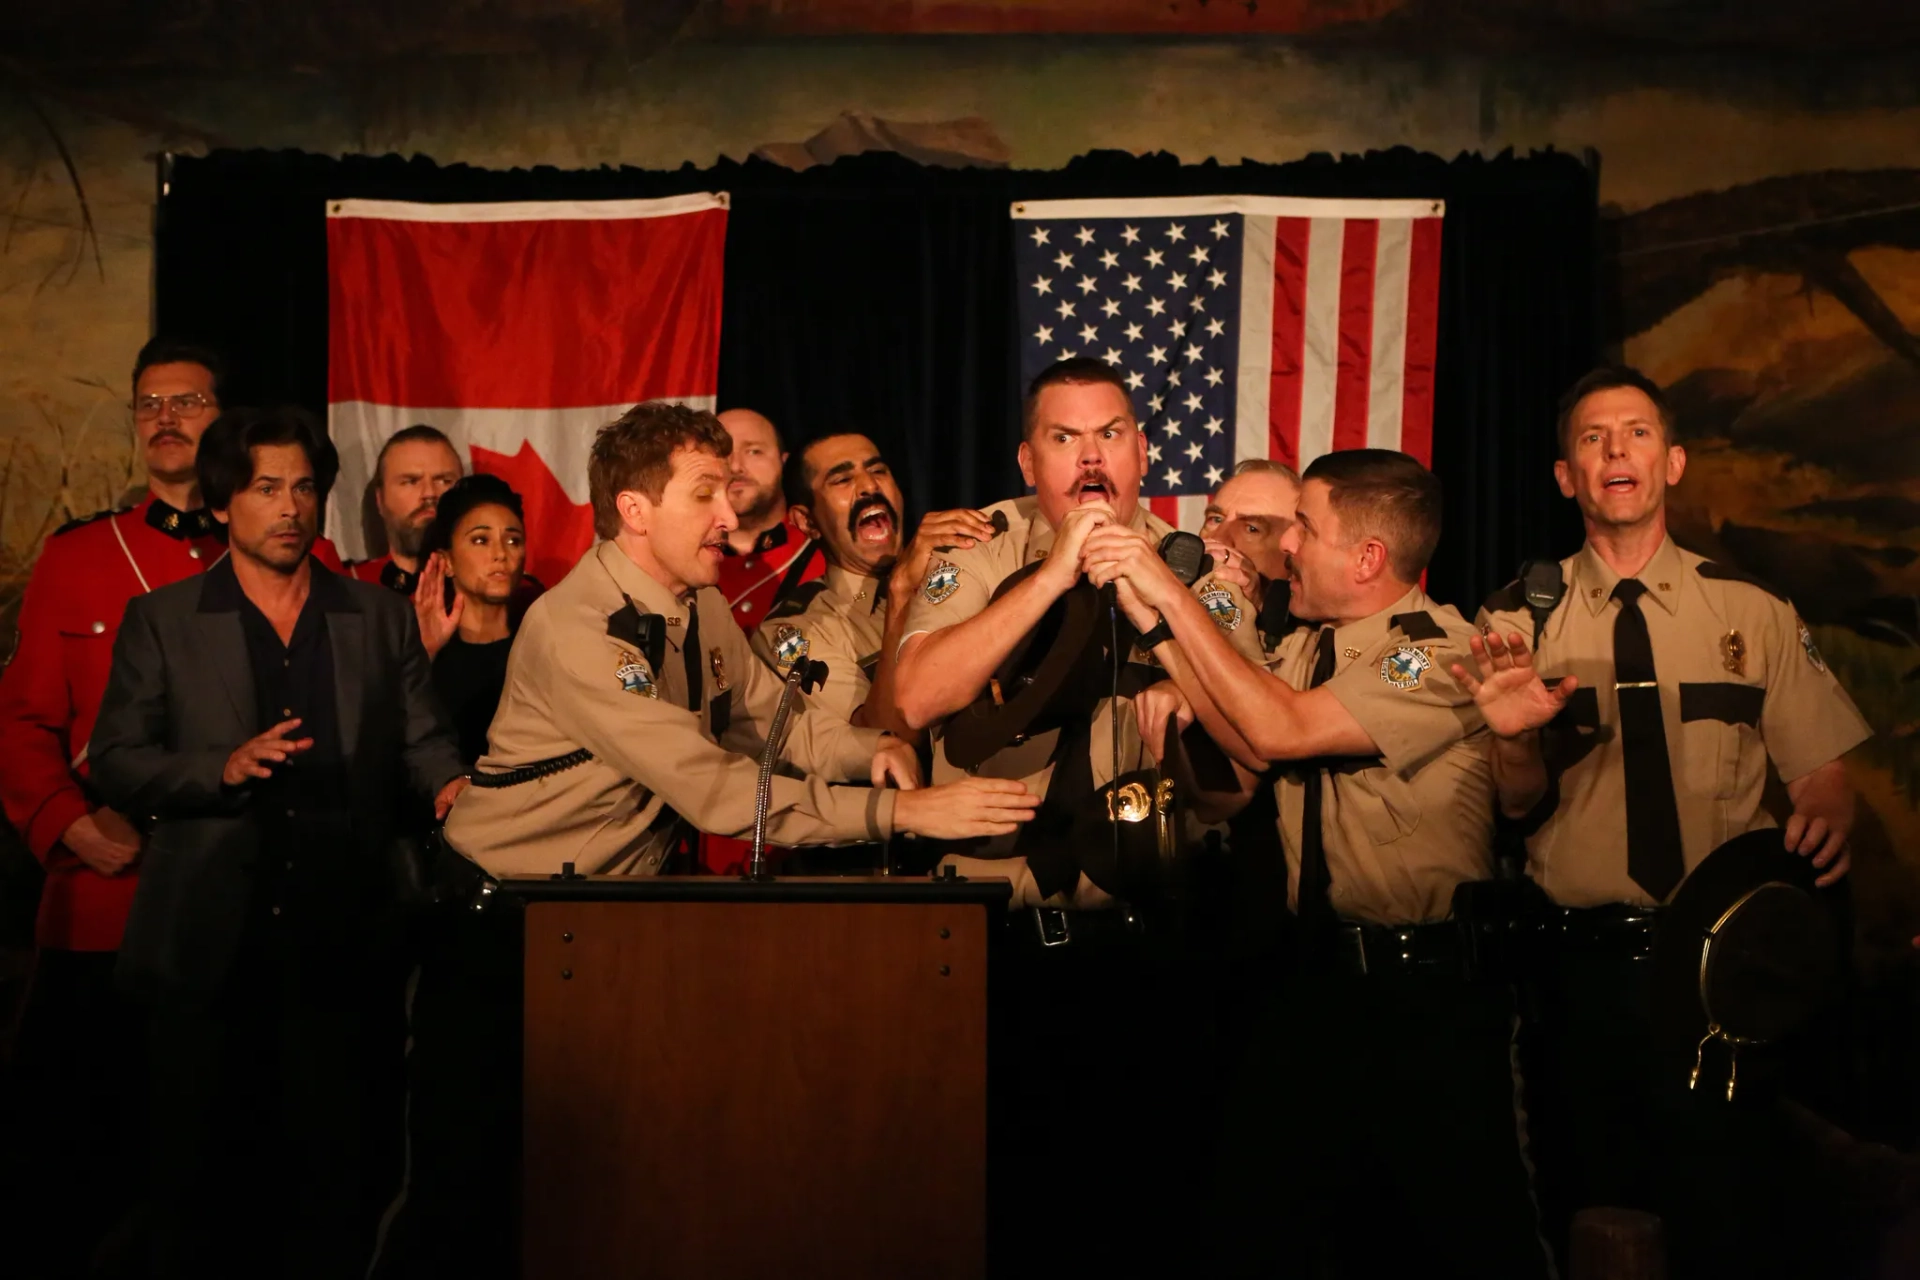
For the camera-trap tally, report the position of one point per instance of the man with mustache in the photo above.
(1659, 688)
(416, 465)
(1094, 1006)
(846, 498)
(77, 1039)
(1084, 454)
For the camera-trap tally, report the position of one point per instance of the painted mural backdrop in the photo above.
(1783, 317)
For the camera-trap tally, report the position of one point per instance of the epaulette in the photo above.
(795, 601)
(1511, 598)
(71, 525)
(1418, 625)
(1726, 573)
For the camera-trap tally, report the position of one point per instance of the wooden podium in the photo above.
(750, 1079)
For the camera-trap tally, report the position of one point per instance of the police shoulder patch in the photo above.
(1813, 650)
(789, 646)
(634, 676)
(943, 579)
(1220, 605)
(1406, 666)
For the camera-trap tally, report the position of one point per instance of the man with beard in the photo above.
(77, 1039)
(769, 552)
(1378, 1086)
(269, 715)
(846, 498)
(416, 465)
(1671, 684)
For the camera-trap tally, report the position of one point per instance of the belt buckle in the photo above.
(1357, 938)
(1051, 924)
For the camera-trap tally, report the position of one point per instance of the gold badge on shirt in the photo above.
(943, 579)
(1733, 653)
(634, 676)
(719, 668)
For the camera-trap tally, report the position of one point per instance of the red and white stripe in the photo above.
(518, 329)
(1339, 307)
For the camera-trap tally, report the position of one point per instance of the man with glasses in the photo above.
(77, 1041)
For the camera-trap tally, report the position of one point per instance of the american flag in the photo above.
(1245, 327)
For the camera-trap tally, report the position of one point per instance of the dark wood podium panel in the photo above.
(749, 1080)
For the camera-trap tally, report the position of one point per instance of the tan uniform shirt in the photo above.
(960, 584)
(1402, 830)
(570, 684)
(1740, 681)
(839, 619)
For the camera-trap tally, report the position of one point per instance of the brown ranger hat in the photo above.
(1058, 670)
(1745, 954)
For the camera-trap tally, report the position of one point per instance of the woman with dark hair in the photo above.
(471, 594)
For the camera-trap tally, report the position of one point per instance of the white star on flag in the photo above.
(1198, 302)
(1217, 278)
(1088, 333)
(1213, 477)
(1216, 327)
(1219, 230)
(1112, 356)
(1194, 451)
(1042, 285)
(1179, 328)
(1213, 377)
(1039, 235)
(1133, 332)
(1193, 402)
(1176, 232)
(1154, 258)
(1156, 307)
(1132, 284)
(1157, 354)
(1173, 478)
(1171, 426)
(1214, 425)
(1043, 335)
(1199, 254)
(1135, 380)
(1109, 259)
(1085, 235)
(1131, 235)
(1087, 285)
(1110, 308)
(1177, 281)
(1064, 261)
(1065, 309)
(1193, 353)
(1153, 452)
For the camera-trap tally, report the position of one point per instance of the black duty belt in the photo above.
(1375, 950)
(1618, 928)
(531, 772)
(1052, 927)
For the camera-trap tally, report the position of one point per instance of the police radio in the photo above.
(1186, 554)
(1543, 586)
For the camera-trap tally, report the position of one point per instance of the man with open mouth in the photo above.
(1653, 692)
(844, 496)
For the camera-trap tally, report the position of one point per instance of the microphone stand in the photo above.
(804, 677)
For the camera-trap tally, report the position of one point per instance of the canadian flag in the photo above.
(518, 329)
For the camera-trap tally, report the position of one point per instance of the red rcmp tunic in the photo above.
(381, 571)
(750, 582)
(50, 693)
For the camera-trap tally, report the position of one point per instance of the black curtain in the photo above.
(878, 295)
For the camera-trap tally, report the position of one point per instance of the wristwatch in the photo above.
(1158, 635)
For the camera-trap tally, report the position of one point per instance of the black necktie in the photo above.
(1653, 819)
(1315, 901)
(690, 650)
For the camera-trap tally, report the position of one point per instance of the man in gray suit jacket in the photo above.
(268, 717)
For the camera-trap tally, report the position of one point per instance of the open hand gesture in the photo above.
(437, 623)
(1512, 697)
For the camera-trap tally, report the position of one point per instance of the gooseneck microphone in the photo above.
(804, 677)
